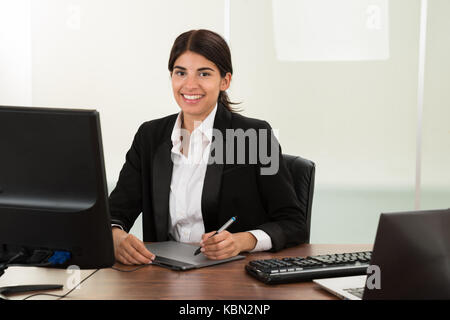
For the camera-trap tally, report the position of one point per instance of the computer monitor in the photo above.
(53, 192)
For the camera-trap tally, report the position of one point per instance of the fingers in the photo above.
(216, 242)
(207, 236)
(132, 257)
(220, 246)
(130, 250)
(135, 252)
(141, 249)
(125, 258)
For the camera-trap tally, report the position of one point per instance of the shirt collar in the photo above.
(204, 127)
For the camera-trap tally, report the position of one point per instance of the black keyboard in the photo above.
(296, 269)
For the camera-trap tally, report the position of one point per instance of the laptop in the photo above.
(410, 260)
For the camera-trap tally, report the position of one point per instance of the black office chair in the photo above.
(302, 172)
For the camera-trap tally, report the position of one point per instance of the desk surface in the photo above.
(227, 281)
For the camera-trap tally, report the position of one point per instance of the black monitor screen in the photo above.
(53, 194)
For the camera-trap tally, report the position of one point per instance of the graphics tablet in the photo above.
(180, 256)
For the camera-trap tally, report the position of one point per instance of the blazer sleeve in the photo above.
(287, 222)
(125, 201)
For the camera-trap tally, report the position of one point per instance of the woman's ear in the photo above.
(225, 82)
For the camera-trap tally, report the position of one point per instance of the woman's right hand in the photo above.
(130, 250)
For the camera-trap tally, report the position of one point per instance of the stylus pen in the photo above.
(224, 227)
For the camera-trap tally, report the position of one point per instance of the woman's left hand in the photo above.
(225, 244)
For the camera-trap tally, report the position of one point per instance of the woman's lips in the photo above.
(192, 98)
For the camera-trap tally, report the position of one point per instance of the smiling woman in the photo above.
(211, 50)
(196, 84)
(187, 200)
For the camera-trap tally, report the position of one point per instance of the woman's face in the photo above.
(196, 83)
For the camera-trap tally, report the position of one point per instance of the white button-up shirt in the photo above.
(190, 158)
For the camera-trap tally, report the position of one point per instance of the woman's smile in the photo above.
(192, 98)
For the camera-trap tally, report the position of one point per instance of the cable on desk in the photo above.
(61, 296)
(65, 295)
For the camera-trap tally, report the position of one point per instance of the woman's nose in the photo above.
(191, 82)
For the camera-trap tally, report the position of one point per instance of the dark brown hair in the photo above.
(210, 45)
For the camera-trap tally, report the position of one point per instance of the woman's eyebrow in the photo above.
(199, 69)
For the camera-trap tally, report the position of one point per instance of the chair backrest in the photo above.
(302, 172)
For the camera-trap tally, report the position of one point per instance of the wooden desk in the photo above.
(227, 281)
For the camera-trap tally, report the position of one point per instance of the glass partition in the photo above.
(435, 177)
(352, 113)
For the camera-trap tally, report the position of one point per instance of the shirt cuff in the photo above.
(117, 225)
(263, 241)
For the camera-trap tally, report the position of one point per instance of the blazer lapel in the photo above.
(213, 176)
(162, 176)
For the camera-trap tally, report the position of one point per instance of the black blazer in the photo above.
(265, 202)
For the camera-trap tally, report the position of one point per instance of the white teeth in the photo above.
(192, 97)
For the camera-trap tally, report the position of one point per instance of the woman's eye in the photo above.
(204, 74)
(180, 73)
